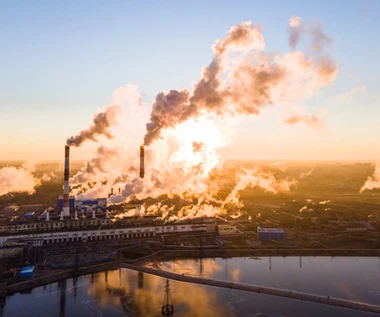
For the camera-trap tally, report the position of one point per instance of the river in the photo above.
(128, 293)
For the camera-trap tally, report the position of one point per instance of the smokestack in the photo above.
(66, 205)
(93, 213)
(142, 161)
(47, 216)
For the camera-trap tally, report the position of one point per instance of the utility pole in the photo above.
(167, 308)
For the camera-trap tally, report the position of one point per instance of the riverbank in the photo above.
(240, 252)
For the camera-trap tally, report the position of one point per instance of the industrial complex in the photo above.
(75, 220)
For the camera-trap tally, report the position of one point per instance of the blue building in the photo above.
(267, 234)
(60, 203)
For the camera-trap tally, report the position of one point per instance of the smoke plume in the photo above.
(372, 181)
(297, 29)
(313, 121)
(235, 88)
(102, 123)
(13, 179)
(185, 129)
(98, 167)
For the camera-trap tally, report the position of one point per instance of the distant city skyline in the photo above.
(61, 63)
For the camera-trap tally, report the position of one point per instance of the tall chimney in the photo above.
(66, 205)
(142, 161)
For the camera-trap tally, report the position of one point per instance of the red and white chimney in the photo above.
(142, 161)
(66, 204)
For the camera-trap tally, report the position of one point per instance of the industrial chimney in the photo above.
(66, 205)
(142, 161)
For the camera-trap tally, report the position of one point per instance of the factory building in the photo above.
(89, 204)
(83, 206)
(224, 230)
(267, 234)
(65, 231)
(71, 202)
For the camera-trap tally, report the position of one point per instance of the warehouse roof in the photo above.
(270, 230)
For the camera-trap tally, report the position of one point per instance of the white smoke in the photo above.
(279, 165)
(185, 130)
(102, 124)
(18, 179)
(372, 181)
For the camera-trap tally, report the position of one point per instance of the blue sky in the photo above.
(63, 59)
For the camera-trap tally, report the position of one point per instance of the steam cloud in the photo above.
(102, 122)
(297, 29)
(20, 179)
(372, 181)
(312, 120)
(184, 129)
(96, 166)
(257, 80)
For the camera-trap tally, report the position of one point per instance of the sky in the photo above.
(60, 62)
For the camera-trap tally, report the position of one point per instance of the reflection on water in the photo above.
(128, 293)
(352, 278)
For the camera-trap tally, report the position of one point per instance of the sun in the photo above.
(198, 141)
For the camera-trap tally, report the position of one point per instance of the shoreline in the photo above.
(241, 252)
(56, 274)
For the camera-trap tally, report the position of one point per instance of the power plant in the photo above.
(142, 161)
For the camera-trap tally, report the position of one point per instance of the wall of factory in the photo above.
(266, 234)
(105, 234)
(54, 225)
(76, 236)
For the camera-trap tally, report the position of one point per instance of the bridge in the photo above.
(326, 300)
(319, 299)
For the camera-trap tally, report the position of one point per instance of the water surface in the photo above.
(129, 293)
